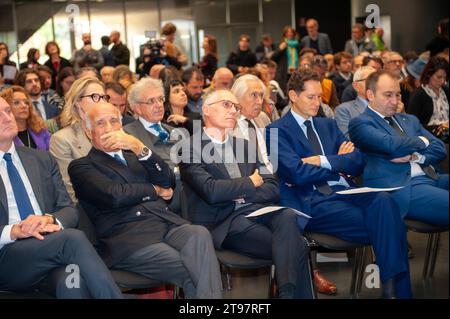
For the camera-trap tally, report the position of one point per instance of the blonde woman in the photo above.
(71, 142)
(32, 130)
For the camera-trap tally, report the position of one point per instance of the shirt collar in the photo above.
(214, 140)
(300, 119)
(146, 123)
(378, 113)
(363, 101)
(112, 154)
(12, 151)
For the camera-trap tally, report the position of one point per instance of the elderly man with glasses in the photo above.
(224, 182)
(146, 99)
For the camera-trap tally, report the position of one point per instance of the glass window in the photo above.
(67, 35)
(141, 16)
(277, 14)
(106, 17)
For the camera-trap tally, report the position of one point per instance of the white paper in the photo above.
(270, 209)
(9, 72)
(362, 190)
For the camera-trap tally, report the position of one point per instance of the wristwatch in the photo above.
(53, 218)
(144, 152)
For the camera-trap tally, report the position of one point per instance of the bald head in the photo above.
(103, 118)
(114, 37)
(223, 79)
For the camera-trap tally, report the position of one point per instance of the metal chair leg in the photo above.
(355, 273)
(427, 257)
(176, 292)
(272, 283)
(311, 278)
(434, 254)
(361, 270)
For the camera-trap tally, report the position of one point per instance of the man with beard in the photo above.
(87, 56)
(194, 81)
(29, 79)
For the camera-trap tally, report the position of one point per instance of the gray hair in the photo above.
(361, 72)
(240, 86)
(136, 90)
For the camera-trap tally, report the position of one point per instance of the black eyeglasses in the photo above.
(95, 97)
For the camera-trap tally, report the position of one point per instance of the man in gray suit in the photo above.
(348, 110)
(36, 216)
(146, 99)
(315, 40)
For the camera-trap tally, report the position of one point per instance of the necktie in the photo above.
(120, 159)
(428, 170)
(20, 193)
(162, 133)
(36, 107)
(323, 188)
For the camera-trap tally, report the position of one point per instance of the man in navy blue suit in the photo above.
(400, 152)
(314, 162)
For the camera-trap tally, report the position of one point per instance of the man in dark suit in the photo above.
(314, 160)
(222, 188)
(401, 152)
(123, 185)
(37, 241)
(146, 99)
(316, 40)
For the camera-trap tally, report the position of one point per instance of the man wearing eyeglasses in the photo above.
(146, 99)
(394, 63)
(123, 187)
(223, 181)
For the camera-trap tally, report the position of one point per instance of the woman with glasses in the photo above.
(176, 114)
(71, 142)
(32, 130)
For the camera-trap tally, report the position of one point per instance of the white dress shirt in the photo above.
(244, 126)
(39, 104)
(14, 216)
(324, 163)
(147, 125)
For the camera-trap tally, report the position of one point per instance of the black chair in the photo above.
(434, 232)
(316, 240)
(229, 260)
(127, 281)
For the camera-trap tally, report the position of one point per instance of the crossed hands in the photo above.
(34, 226)
(345, 148)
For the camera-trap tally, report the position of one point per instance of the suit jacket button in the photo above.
(138, 214)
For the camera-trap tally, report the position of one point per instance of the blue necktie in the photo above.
(162, 133)
(120, 159)
(20, 193)
(323, 188)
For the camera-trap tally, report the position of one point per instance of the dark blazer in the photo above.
(45, 179)
(241, 58)
(421, 105)
(121, 200)
(210, 192)
(297, 179)
(381, 143)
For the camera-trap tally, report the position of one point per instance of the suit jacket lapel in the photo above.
(103, 158)
(146, 137)
(381, 122)
(292, 126)
(220, 166)
(32, 169)
(403, 122)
